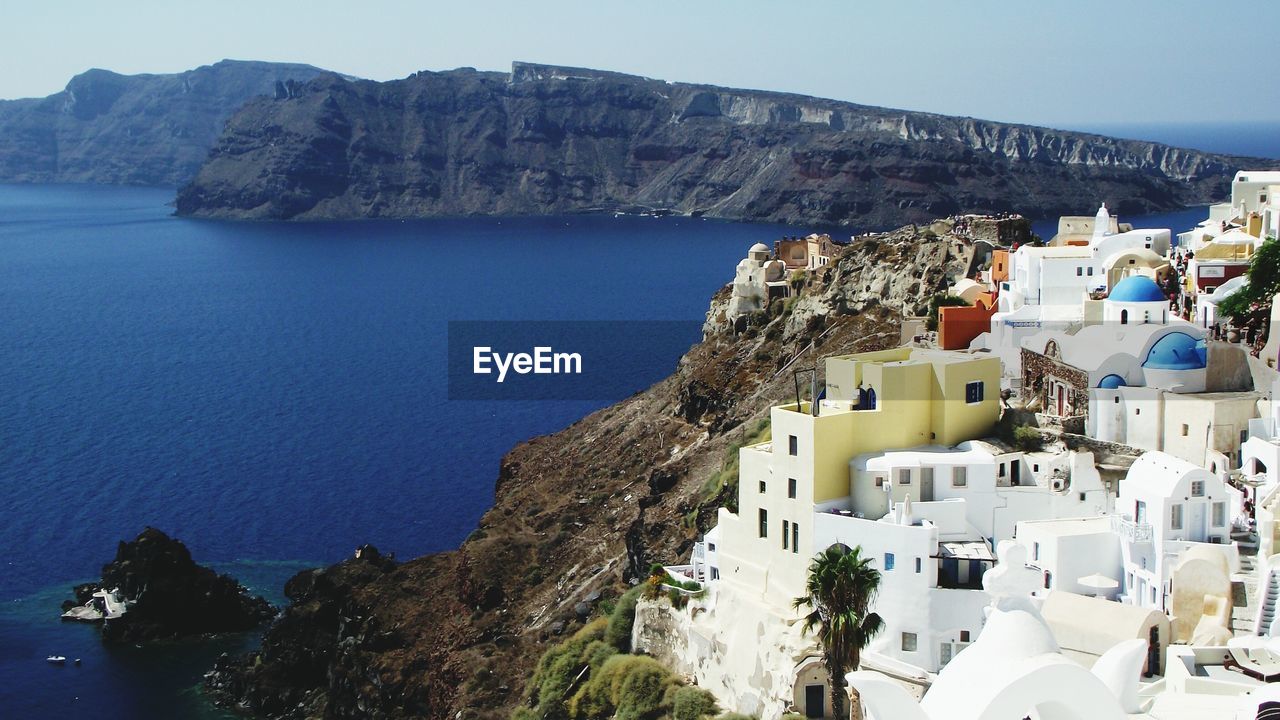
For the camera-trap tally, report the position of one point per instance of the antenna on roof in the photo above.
(813, 387)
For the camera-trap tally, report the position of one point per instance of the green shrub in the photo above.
(691, 703)
(1027, 438)
(734, 716)
(941, 301)
(627, 687)
(557, 670)
(794, 716)
(622, 619)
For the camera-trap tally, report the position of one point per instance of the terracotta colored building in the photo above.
(958, 326)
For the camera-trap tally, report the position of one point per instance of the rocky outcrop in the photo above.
(132, 129)
(546, 139)
(169, 596)
(577, 515)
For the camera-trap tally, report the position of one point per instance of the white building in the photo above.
(1072, 555)
(1050, 288)
(997, 488)
(756, 280)
(1260, 453)
(1165, 507)
(1207, 302)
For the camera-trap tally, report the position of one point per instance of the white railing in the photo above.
(1130, 530)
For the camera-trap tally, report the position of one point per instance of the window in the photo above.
(1124, 317)
(1035, 467)
(879, 481)
(919, 566)
(762, 486)
(791, 488)
(1219, 514)
(1140, 512)
(1090, 271)
(1116, 399)
(1001, 471)
(1175, 516)
(795, 538)
(974, 392)
(1048, 579)
(1035, 551)
(904, 476)
(908, 642)
(1197, 488)
(1079, 271)
(764, 523)
(888, 562)
(964, 636)
(1185, 429)
(786, 534)
(711, 547)
(715, 573)
(793, 445)
(959, 476)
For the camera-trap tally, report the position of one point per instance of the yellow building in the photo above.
(893, 399)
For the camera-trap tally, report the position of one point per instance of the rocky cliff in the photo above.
(132, 129)
(170, 596)
(547, 139)
(577, 515)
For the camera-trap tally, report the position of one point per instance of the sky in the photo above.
(1067, 63)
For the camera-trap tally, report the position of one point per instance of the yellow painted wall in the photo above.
(960, 421)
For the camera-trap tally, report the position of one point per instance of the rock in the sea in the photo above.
(167, 595)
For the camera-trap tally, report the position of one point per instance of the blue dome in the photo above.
(1176, 351)
(1111, 382)
(1137, 289)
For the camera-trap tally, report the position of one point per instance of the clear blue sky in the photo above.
(1057, 63)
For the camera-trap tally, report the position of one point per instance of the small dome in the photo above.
(758, 247)
(1176, 351)
(1111, 382)
(1137, 289)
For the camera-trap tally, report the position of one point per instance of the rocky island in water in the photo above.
(153, 590)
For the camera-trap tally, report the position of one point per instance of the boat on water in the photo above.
(56, 660)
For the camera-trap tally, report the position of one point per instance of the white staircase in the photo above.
(1267, 610)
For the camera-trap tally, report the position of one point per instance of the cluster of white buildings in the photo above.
(1016, 583)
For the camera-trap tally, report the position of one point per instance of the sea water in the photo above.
(274, 394)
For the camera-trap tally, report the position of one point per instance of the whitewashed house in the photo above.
(1166, 506)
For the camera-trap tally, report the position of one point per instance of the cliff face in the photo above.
(132, 129)
(577, 514)
(559, 140)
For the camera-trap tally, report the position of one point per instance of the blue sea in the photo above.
(275, 395)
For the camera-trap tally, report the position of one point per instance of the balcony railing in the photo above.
(1130, 530)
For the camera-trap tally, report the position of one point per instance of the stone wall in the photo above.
(1036, 371)
(998, 230)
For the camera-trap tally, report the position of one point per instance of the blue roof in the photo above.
(1137, 289)
(1111, 382)
(1176, 351)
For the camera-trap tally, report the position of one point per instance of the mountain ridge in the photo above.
(147, 129)
(550, 139)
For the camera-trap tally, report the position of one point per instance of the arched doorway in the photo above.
(811, 691)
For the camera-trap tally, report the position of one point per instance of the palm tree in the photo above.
(839, 590)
